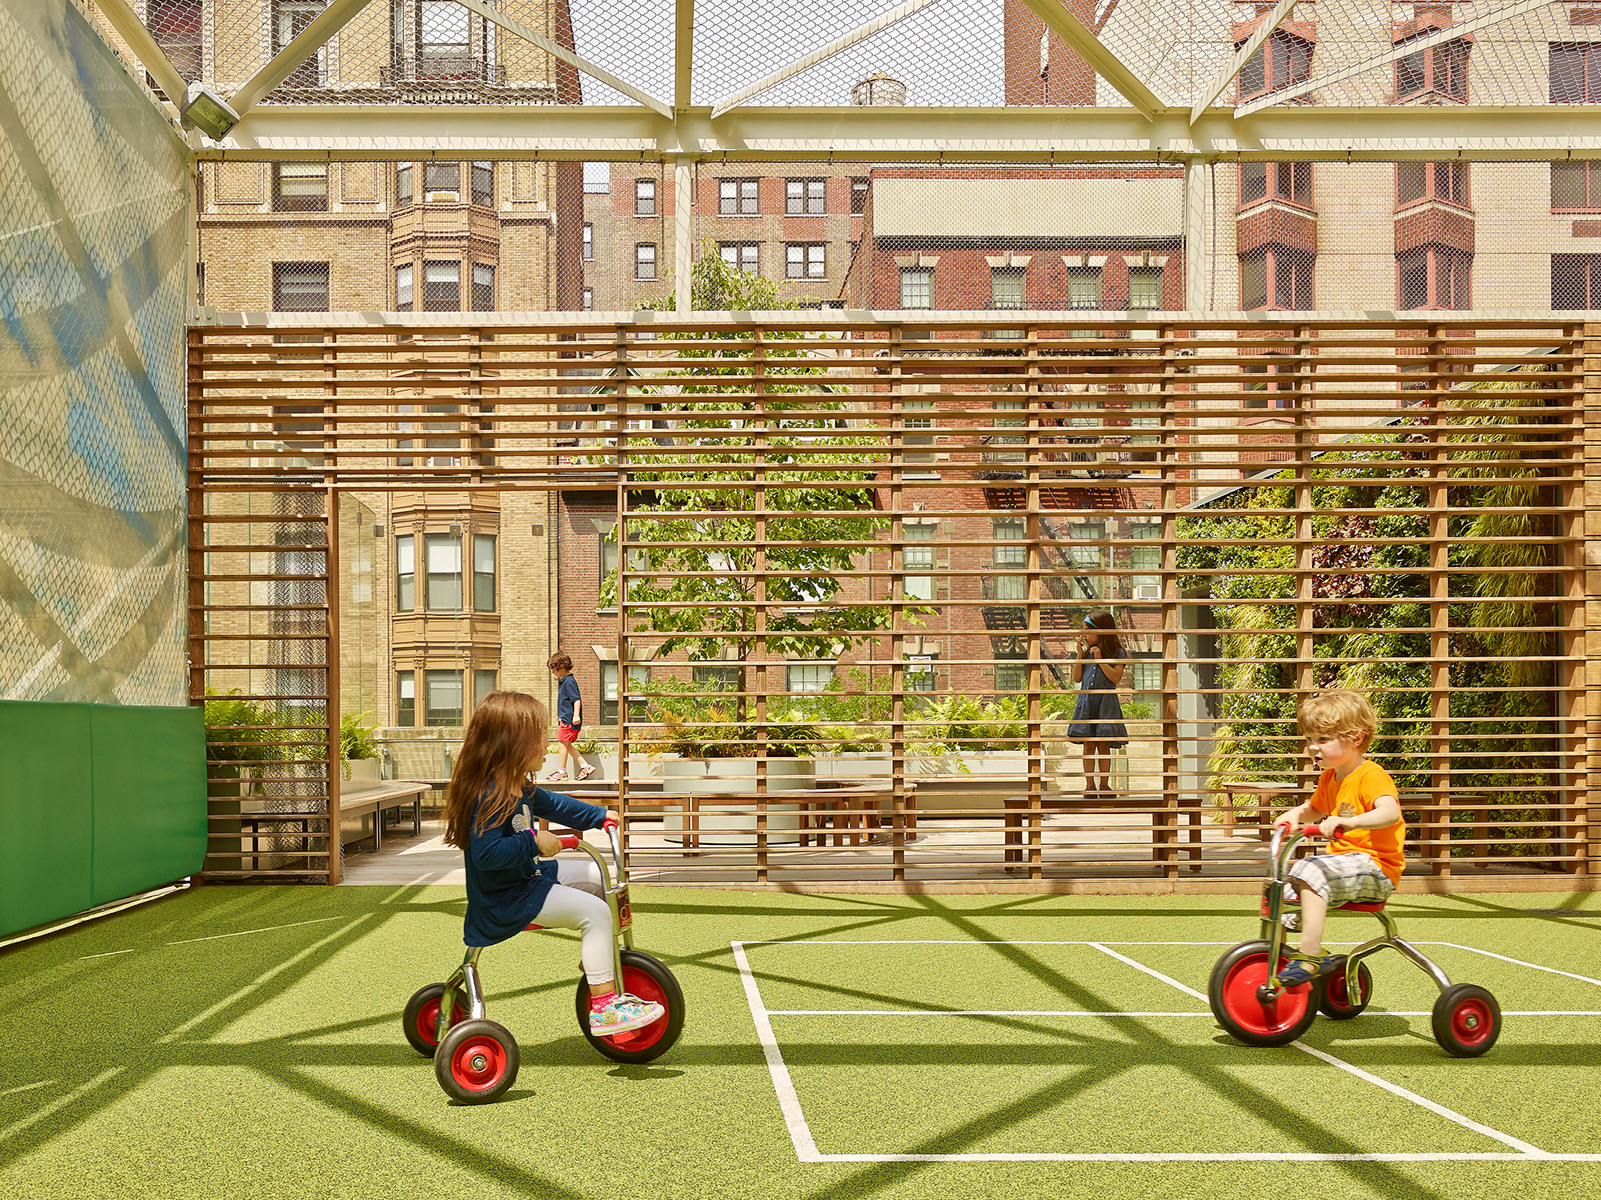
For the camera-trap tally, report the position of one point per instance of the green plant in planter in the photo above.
(587, 745)
(239, 733)
(713, 727)
(355, 740)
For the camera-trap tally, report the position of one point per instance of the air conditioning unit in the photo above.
(444, 197)
(1148, 591)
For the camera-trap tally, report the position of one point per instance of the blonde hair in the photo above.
(1340, 713)
(504, 743)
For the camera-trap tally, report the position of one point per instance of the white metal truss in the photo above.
(1221, 81)
(1401, 50)
(307, 42)
(1088, 47)
(133, 31)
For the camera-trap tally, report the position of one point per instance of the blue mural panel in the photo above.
(93, 212)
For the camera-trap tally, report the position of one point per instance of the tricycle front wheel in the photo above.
(1233, 992)
(648, 979)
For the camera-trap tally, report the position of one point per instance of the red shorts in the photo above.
(566, 732)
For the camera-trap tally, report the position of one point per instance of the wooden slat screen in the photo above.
(932, 506)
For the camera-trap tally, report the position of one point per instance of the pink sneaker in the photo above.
(622, 1013)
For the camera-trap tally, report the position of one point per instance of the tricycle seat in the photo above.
(1363, 906)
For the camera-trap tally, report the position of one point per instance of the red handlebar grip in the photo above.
(608, 824)
(569, 841)
(1312, 831)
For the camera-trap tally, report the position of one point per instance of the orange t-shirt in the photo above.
(1354, 795)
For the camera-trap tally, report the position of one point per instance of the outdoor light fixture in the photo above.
(207, 112)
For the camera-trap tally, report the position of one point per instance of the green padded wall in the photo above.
(97, 802)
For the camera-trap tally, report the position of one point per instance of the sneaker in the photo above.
(555, 775)
(1304, 968)
(622, 1013)
(586, 772)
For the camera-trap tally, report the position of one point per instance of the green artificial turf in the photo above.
(245, 1042)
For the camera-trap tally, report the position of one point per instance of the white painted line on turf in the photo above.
(788, 1102)
(1394, 1089)
(1152, 972)
(59, 1103)
(968, 1012)
(1244, 1156)
(1515, 961)
(27, 1087)
(107, 954)
(211, 937)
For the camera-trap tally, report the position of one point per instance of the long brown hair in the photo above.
(505, 741)
(1105, 635)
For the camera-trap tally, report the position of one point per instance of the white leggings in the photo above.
(566, 907)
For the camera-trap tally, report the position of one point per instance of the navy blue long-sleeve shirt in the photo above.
(507, 882)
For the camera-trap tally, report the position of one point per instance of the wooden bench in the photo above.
(1025, 813)
(377, 801)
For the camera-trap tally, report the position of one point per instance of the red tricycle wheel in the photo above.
(1233, 992)
(649, 979)
(1336, 1001)
(421, 1020)
(477, 1062)
(1467, 1020)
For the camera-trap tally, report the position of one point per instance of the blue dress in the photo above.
(1098, 715)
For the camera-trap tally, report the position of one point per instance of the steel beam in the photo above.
(557, 50)
(1389, 56)
(627, 133)
(822, 54)
(1088, 47)
(683, 54)
(145, 48)
(307, 42)
(1215, 88)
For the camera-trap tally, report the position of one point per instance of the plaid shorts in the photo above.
(1352, 878)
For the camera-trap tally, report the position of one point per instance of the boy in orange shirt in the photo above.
(1357, 806)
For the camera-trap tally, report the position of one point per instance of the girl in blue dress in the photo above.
(1098, 715)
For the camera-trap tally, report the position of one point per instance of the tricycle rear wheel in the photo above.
(421, 1022)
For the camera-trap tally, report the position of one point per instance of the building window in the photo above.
(483, 180)
(1086, 557)
(1276, 277)
(737, 198)
(441, 177)
(405, 573)
(917, 287)
(300, 187)
(1084, 287)
(443, 553)
(403, 178)
(1435, 277)
(805, 260)
(589, 299)
(405, 698)
(1576, 186)
(1011, 669)
(483, 288)
(1434, 71)
(918, 440)
(443, 701)
(1011, 555)
(589, 242)
(1419, 181)
(1576, 281)
(1281, 61)
(289, 20)
(742, 256)
(1145, 562)
(715, 679)
(483, 572)
(300, 287)
(808, 676)
(645, 260)
(403, 292)
(917, 561)
(859, 194)
(1144, 288)
(441, 287)
(444, 47)
(644, 197)
(805, 197)
(1007, 286)
(921, 675)
(176, 25)
(1575, 72)
(483, 684)
(638, 680)
(1290, 182)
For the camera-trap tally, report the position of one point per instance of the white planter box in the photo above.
(366, 774)
(734, 825)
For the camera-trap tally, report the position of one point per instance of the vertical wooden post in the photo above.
(624, 650)
(1435, 843)
(1302, 415)
(761, 427)
(1036, 640)
(1589, 776)
(331, 684)
(896, 430)
(1170, 783)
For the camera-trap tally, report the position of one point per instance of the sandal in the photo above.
(586, 772)
(1304, 968)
